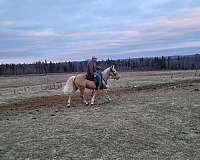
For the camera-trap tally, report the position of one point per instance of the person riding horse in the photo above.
(93, 72)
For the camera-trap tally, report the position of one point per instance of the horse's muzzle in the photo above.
(117, 77)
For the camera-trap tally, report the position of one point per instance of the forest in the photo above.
(130, 64)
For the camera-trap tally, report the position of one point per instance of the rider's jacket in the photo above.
(91, 68)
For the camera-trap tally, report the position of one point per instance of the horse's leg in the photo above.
(70, 97)
(82, 96)
(93, 96)
(69, 101)
(107, 96)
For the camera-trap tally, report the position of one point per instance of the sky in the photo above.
(63, 30)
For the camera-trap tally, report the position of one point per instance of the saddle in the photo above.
(90, 78)
(103, 83)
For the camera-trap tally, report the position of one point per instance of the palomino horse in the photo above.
(80, 82)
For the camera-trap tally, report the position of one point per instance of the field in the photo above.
(152, 115)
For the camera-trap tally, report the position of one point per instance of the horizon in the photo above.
(100, 60)
(32, 31)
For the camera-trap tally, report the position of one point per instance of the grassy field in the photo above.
(152, 115)
(18, 88)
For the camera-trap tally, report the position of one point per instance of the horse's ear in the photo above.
(112, 67)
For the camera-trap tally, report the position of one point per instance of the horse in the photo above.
(79, 82)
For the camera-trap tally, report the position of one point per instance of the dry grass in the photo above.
(159, 121)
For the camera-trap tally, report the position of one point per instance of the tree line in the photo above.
(131, 64)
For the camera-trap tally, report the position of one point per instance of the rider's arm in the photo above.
(90, 69)
(94, 68)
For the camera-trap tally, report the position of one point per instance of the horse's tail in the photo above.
(70, 86)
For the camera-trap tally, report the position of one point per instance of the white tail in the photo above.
(70, 87)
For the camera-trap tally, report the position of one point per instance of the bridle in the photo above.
(113, 72)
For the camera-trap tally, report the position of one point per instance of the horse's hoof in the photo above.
(87, 104)
(68, 105)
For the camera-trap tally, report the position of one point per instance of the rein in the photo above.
(103, 78)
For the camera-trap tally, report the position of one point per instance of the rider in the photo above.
(92, 71)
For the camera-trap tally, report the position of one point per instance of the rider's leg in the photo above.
(98, 78)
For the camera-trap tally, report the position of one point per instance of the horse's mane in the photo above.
(104, 72)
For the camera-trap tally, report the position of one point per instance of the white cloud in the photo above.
(45, 33)
(18, 60)
(7, 23)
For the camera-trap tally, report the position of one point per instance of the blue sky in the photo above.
(61, 30)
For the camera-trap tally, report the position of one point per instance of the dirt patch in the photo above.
(58, 102)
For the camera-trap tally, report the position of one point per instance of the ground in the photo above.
(152, 115)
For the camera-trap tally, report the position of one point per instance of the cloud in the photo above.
(6, 23)
(96, 27)
(13, 50)
(45, 33)
(19, 60)
(184, 20)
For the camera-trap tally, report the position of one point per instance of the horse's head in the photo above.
(113, 73)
